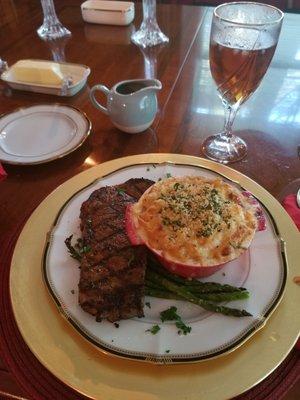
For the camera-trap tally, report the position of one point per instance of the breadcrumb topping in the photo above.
(195, 220)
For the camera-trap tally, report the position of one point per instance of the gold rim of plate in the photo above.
(66, 354)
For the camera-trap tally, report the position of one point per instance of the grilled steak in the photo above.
(112, 272)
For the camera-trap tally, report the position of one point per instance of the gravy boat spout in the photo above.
(134, 87)
(154, 84)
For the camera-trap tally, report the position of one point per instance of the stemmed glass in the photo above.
(150, 55)
(57, 47)
(52, 28)
(149, 33)
(3, 65)
(243, 40)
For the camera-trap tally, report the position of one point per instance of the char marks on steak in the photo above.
(112, 272)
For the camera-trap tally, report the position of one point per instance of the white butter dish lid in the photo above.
(105, 5)
(108, 12)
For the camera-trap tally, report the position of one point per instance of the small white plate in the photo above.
(41, 133)
(76, 72)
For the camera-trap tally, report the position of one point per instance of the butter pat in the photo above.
(42, 73)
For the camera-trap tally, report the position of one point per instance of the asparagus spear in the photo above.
(186, 294)
(162, 294)
(205, 292)
(197, 286)
(204, 287)
(219, 297)
(153, 285)
(214, 297)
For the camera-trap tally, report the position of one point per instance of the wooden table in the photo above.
(189, 108)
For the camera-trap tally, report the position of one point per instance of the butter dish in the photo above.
(108, 12)
(49, 77)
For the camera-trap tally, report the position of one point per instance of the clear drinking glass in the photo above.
(52, 28)
(149, 33)
(150, 55)
(57, 47)
(243, 40)
(3, 65)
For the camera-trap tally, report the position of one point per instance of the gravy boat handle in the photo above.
(100, 88)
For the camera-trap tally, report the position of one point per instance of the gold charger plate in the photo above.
(98, 375)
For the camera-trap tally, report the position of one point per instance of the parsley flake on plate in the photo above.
(154, 329)
(171, 315)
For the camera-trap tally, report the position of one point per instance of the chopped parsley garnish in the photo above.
(183, 205)
(174, 223)
(171, 315)
(167, 351)
(177, 186)
(154, 329)
(120, 191)
(168, 175)
(78, 249)
(85, 249)
(148, 304)
(183, 328)
(204, 232)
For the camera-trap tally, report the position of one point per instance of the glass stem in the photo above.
(230, 113)
(149, 12)
(50, 17)
(149, 34)
(3, 65)
(52, 28)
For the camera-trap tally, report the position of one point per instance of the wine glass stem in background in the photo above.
(3, 65)
(149, 12)
(149, 33)
(230, 113)
(52, 28)
(50, 17)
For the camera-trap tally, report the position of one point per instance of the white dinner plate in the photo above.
(262, 270)
(41, 133)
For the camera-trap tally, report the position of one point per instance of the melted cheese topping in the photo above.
(195, 221)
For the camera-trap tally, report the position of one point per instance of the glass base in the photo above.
(3, 65)
(55, 31)
(149, 36)
(224, 149)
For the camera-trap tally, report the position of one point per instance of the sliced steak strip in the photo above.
(112, 272)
